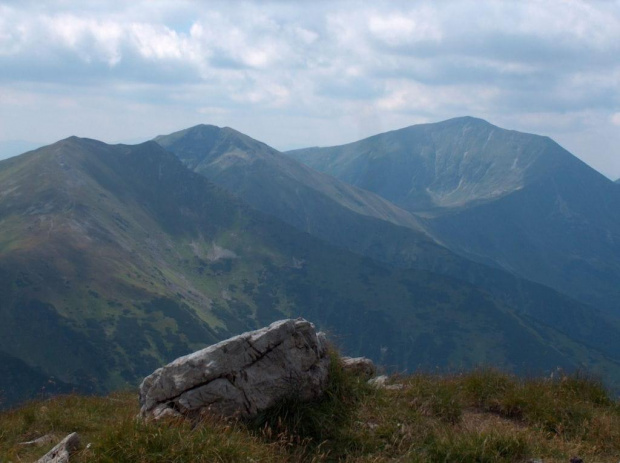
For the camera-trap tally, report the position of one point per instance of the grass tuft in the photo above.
(485, 447)
(321, 419)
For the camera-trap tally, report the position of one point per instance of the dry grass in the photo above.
(482, 416)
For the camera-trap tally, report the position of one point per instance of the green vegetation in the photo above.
(481, 416)
(321, 420)
(126, 260)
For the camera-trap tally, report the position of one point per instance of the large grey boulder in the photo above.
(243, 375)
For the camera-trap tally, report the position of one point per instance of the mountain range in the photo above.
(278, 186)
(117, 258)
(342, 215)
(512, 200)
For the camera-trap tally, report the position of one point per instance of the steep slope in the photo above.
(308, 200)
(278, 186)
(517, 201)
(319, 205)
(115, 259)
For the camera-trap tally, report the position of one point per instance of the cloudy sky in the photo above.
(306, 73)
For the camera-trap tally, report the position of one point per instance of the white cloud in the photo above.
(404, 28)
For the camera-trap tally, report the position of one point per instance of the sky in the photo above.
(311, 73)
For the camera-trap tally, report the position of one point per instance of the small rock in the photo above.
(378, 382)
(576, 460)
(60, 453)
(359, 365)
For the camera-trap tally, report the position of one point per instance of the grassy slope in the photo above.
(115, 260)
(482, 416)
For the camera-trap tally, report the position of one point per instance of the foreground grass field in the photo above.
(482, 416)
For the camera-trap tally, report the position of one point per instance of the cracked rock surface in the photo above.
(243, 375)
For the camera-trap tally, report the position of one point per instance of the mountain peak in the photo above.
(202, 144)
(455, 122)
(263, 176)
(445, 164)
(72, 145)
(462, 120)
(69, 141)
(202, 131)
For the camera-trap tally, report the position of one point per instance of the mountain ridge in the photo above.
(386, 242)
(446, 164)
(219, 148)
(552, 219)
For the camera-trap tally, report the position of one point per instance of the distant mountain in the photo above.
(617, 181)
(514, 200)
(271, 178)
(115, 259)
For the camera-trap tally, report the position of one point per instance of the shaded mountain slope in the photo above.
(115, 259)
(517, 201)
(267, 180)
(269, 177)
(306, 199)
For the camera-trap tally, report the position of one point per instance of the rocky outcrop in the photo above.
(61, 453)
(360, 366)
(241, 376)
